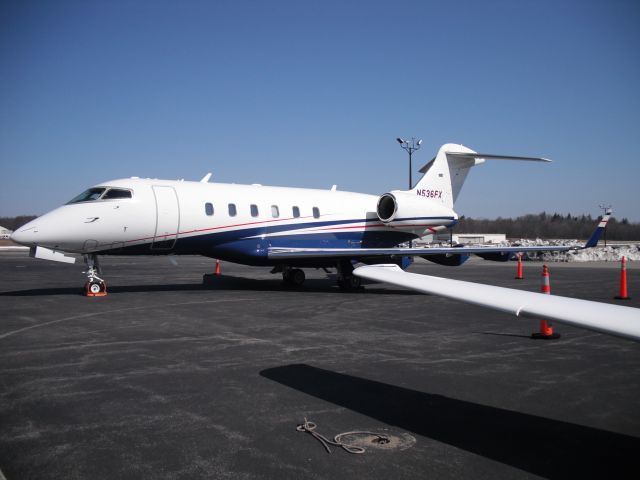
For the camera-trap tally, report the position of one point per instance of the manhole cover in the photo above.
(383, 441)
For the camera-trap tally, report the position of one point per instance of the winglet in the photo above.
(597, 233)
(206, 178)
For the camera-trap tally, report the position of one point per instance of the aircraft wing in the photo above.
(289, 253)
(602, 317)
(286, 253)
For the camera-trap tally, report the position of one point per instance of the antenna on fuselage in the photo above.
(206, 178)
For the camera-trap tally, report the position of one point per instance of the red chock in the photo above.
(623, 281)
(95, 289)
(546, 329)
(217, 267)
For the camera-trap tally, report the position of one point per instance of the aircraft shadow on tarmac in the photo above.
(222, 282)
(77, 291)
(541, 446)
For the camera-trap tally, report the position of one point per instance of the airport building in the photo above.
(5, 233)
(465, 238)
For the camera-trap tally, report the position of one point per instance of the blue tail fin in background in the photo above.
(597, 233)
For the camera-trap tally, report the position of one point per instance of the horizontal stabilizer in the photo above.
(495, 157)
(471, 155)
(602, 317)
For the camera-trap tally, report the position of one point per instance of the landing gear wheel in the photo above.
(346, 279)
(297, 277)
(95, 288)
(293, 277)
(350, 283)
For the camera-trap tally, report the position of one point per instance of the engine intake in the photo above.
(412, 212)
(387, 207)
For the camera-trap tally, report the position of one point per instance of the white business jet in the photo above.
(287, 228)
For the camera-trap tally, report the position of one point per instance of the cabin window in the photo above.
(232, 210)
(208, 208)
(316, 212)
(296, 212)
(88, 195)
(254, 210)
(114, 193)
(275, 211)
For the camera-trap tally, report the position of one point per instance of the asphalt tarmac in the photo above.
(167, 378)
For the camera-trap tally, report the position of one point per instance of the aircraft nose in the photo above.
(25, 235)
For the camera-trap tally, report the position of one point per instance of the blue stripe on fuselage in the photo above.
(250, 245)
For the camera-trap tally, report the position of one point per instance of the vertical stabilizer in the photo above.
(445, 174)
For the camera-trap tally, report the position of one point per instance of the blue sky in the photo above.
(311, 93)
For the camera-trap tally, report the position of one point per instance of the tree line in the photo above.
(541, 225)
(544, 225)
(13, 223)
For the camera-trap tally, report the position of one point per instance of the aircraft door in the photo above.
(167, 218)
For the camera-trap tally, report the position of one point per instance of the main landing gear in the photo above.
(346, 279)
(293, 277)
(95, 286)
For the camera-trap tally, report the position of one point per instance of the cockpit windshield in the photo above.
(116, 193)
(88, 195)
(98, 193)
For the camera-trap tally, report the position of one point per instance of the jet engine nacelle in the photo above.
(409, 209)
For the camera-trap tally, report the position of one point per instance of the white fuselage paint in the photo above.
(170, 217)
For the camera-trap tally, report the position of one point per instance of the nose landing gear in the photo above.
(95, 286)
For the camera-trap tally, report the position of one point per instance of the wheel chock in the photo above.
(95, 289)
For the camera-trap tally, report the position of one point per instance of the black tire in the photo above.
(297, 277)
(350, 283)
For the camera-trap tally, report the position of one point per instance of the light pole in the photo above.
(409, 146)
(606, 209)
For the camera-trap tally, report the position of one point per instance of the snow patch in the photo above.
(610, 253)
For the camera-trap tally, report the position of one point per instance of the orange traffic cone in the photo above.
(519, 275)
(217, 267)
(546, 281)
(546, 330)
(623, 281)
